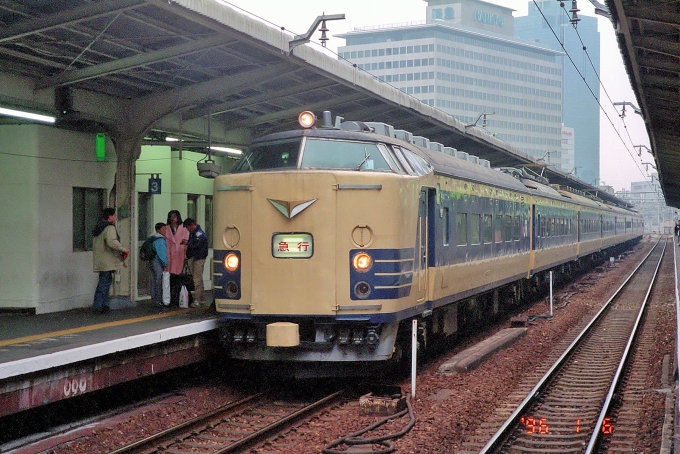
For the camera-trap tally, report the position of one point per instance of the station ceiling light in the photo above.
(26, 115)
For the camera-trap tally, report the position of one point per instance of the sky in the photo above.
(619, 161)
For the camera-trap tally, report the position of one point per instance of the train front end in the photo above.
(312, 258)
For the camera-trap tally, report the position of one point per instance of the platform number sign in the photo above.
(154, 185)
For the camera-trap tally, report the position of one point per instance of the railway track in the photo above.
(575, 406)
(233, 427)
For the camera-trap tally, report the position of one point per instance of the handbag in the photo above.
(186, 278)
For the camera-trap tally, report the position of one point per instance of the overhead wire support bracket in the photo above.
(302, 39)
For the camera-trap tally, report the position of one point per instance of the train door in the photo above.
(535, 227)
(422, 251)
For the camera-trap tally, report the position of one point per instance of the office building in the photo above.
(546, 22)
(465, 60)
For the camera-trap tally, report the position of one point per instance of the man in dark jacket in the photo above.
(197, 251)
(108, 255)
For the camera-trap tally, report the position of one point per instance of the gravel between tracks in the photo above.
(448, 408)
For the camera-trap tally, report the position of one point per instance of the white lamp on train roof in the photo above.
(307, 119)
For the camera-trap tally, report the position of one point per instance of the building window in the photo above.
(88, 204)
(192, 206)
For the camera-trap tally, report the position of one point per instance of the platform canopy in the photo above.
(647, 33)
(204, 71)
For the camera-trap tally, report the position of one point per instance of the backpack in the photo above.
(147, 251)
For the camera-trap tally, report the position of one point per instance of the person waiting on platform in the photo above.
(158, 265)
(108, 255)
(677, 232)
(197, 252)
(176, 237)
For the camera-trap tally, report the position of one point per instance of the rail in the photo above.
(541, 391)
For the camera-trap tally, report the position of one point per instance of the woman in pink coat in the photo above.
(176, 237)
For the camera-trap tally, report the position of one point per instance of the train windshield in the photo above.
(342, 154)
(281, 154)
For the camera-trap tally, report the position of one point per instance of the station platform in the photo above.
(49, 357)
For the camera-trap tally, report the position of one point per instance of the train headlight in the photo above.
(307, 119)
(362, 290)
(231, 262)
(232, 289)
(362, 262)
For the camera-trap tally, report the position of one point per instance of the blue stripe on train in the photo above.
(391, 268)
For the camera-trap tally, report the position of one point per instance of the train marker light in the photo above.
(362, 262)
(231, 262)
(307, 119)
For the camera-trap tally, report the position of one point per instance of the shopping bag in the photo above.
(186, 278)
(166, 288)
(184, 297)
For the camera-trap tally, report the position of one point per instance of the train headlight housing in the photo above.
(362, 262)
(307, 119)
(362, 290)
(232, 262)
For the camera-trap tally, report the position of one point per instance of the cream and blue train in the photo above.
(330, 240)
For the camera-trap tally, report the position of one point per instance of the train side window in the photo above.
(447, 226)
(515, 228)
(498, 229)
(461, 229)
(487, 229)
(507, 227)
(475, 226)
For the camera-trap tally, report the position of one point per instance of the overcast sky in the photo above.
(619, 162)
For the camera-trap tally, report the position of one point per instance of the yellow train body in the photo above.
(329, 241)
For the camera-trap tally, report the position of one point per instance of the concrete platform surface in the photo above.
(470, 358)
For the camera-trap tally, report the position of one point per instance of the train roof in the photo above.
(445, 160)
(442, 163)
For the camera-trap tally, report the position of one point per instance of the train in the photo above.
(330, 239)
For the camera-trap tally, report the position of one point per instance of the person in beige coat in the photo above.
(108, 256)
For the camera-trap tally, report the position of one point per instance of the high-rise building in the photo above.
(465, 60)
(549, 24)
(567, 158)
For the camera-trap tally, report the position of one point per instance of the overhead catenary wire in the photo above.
(583, 46)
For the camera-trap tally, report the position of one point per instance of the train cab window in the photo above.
(487, 229)
(391, 159)
(402, 159)
(340, 154)
(281, 154)
(418, 164)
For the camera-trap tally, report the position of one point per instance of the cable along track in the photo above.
(232, 427)
(567, 411)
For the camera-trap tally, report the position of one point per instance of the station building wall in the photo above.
(39, 167)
